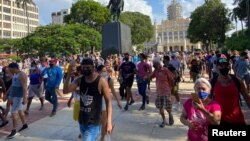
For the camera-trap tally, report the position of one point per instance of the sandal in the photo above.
(171, 119)
(163, 124)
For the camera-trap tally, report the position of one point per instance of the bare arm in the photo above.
(106, 94)
(23, 79)
(111, 86)
(70, 87)
(183, 118)
(244, 93)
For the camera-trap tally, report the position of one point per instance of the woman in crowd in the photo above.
(102, 70)
(200, 111)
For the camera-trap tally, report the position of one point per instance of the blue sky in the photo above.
(156, 9)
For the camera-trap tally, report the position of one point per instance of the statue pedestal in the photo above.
(116, 39)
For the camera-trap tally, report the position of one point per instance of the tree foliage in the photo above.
(240, 42)
(209, 22)
(57, 39)
(141, 26)
(88, 12)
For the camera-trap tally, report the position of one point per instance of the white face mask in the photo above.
(32, 68)
(104, 74)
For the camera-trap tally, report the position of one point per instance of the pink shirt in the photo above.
(142, 68)
(200, 133)
(164, 81)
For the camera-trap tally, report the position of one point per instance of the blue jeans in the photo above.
(50, 95)
(142, 86)
(90, 132)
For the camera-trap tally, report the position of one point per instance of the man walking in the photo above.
(18, 98)
(92, 88)
(164, 84)
(54, 79)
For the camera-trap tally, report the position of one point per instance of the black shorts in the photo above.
(128, 82)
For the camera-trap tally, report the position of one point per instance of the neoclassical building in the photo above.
(171, 34)
(14, 23)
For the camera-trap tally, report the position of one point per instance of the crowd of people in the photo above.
(90, 81)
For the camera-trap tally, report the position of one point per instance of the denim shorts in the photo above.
(90, 132)
(17, 104)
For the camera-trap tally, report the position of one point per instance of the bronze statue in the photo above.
(115, 6)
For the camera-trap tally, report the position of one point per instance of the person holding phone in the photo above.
(200, 111)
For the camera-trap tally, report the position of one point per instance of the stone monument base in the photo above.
(116, 39)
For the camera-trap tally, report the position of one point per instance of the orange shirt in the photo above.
(164, 81)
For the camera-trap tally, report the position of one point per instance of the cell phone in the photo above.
(195, 98)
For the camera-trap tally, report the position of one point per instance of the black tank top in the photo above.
(90, 102)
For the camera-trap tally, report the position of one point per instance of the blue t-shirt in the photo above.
(35, 78)
(54, 76)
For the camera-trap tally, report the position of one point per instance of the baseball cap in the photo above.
(223, 59)
(54, 61)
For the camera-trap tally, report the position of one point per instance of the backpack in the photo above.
(235, 80)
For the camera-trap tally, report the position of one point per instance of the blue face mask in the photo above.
(203, 95)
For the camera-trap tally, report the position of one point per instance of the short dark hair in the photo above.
(87, 61)
(13, 65)
(100, 67)
(143, 55)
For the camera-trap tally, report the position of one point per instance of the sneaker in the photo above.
(25, 126)
(4, 123)
(131, 102)
(163, 124)
(52, 114)
(126, 107)
(12, 134)
(142, 108)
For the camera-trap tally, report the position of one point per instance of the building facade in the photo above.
(58, 17)
(171, 35)
(15, 22)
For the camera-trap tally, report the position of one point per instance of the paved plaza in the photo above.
(132, 125)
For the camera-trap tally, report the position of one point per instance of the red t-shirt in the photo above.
(228, 98)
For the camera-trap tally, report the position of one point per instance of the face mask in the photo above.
(51, 65)
(126, 59)
(33, 68)
(86, 72)
(224, 71)
(104, 74)
(203, 95)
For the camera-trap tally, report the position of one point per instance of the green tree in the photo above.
(88, 12)
(209, 22)
(141, 27)
(58, 39)
(240, 42)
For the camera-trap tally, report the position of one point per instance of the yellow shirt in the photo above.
(66, 67)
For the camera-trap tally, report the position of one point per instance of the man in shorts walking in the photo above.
(164, 83)
(18, 98)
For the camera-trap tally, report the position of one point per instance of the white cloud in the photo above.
(188, 6)
(46, 7)
(135, 6)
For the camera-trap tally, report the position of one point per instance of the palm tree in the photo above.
(234, 17)
(24, 4)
